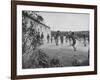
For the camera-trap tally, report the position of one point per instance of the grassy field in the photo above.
(50, 55)
(67, 55)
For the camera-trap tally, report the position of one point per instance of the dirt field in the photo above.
(66, 54)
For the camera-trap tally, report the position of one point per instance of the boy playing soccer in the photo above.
(73, 40)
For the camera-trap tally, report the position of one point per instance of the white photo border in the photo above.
(21, 71)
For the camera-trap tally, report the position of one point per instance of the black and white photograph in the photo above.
(55, 39)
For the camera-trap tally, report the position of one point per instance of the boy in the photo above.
(72, 36)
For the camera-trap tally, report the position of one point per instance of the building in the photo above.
(34, 20)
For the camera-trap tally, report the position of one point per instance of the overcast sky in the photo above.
(66, 21)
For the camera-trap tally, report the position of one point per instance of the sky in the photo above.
(66, 21)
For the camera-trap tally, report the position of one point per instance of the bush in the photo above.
(38, 59)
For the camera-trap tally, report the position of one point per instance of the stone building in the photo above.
(34, 20)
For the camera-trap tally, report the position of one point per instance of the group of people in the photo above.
(70, 37)
(40, 38)
(58, 36)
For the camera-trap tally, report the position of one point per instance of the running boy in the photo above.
(73, 37)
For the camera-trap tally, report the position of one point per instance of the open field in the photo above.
(66, 53)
